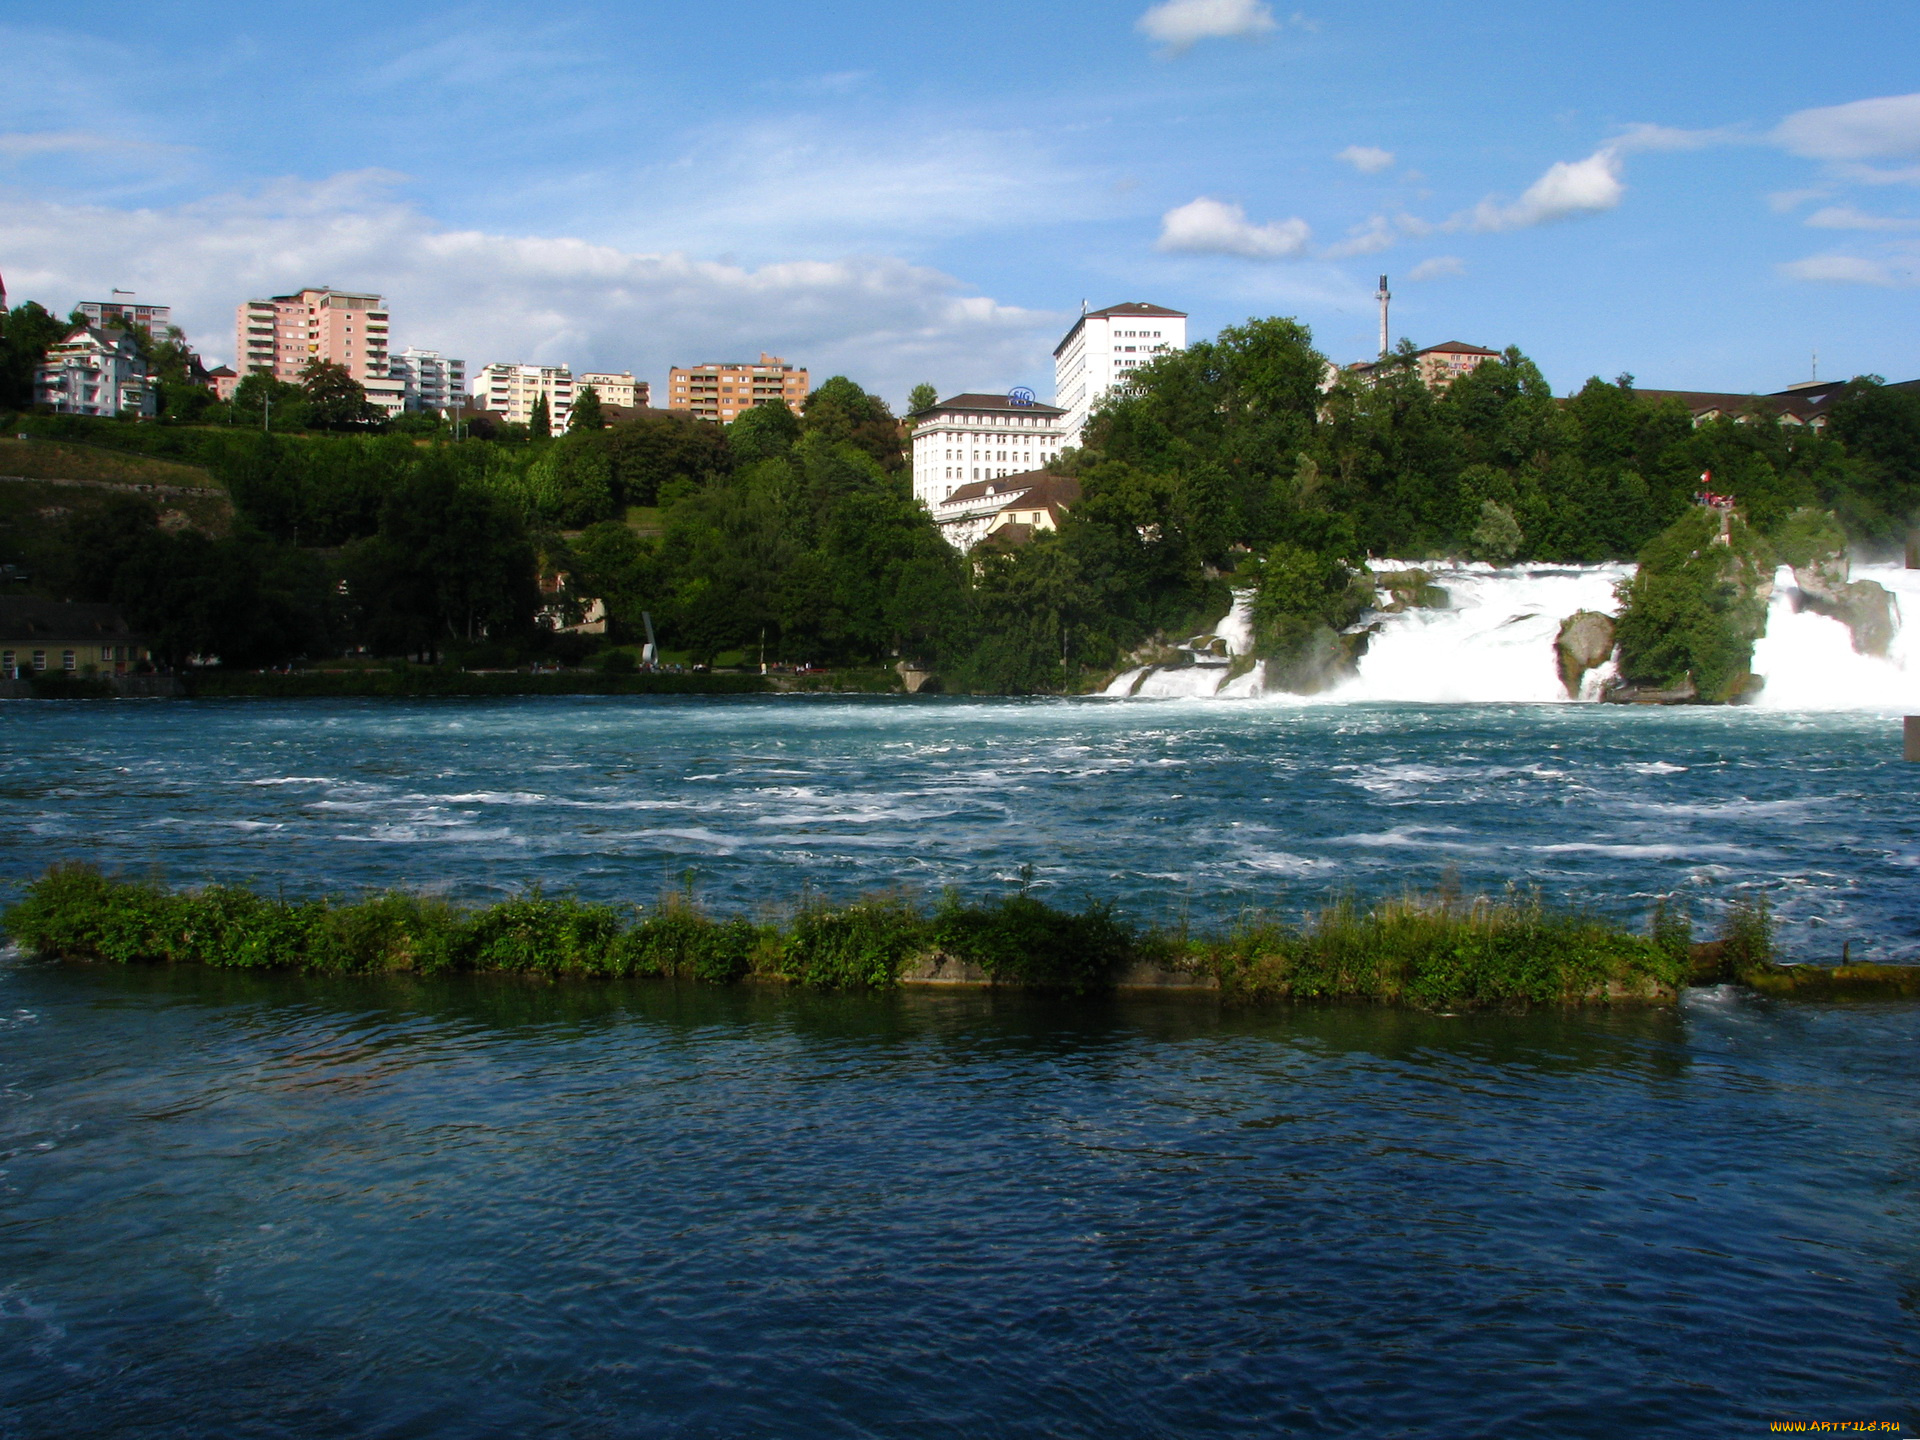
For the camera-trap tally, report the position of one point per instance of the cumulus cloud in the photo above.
(1179, 24)
(1887, 128)
(1367, 159)
(1569, 188)
(1846, 270)
(488, 296)
(1846, 217)
(1213, 227)
(1438, 267)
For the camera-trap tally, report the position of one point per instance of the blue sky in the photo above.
(1702, 194)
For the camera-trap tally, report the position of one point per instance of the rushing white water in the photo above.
(1809, 662)
(1494, 643)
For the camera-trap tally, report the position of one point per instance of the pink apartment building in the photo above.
(278, 337)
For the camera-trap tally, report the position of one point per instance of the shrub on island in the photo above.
(1420, 950)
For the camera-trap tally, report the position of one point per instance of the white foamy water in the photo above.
(1494, 642)
(1809, 661)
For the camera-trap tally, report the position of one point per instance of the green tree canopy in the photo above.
(586, 413)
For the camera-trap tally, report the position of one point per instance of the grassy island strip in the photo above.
(1419, 950)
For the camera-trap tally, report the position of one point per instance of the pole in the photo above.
(1383, 295)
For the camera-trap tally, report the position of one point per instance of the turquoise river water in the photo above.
(263, 1205)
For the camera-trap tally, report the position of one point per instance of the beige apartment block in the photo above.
(279, 336)
(615, 389)
(510, 390)
(720, 392)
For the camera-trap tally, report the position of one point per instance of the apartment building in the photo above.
(621, 389)
(1438, 365)
(279, 336)
(1102, 348)
(94, 371)
(509, 391)
(720, 392)
(124, 315)
(429, 380)
(981, 437)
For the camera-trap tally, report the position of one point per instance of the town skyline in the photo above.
(1700, 198)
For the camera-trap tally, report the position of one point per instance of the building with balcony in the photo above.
(616, 389)
(1102, 350)
(281, 335)
(429, 380)
(508, 391)
(95, 371)
(981, 437)
(156, 320)
(722, 391)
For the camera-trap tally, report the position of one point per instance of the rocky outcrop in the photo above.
(1585, 643)
(1864, 607)
(1398, 590)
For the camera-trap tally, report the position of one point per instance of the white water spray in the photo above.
(1495, 643)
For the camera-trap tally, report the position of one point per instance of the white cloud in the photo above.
(1569, 188)
(1665, 137)
(1213, 227)
(1782, 201)
(1438, 267)
(1845, 270)
(1178, 24)
(487, 296)
(1846, 217)
(1887, 128)
(1367, 159)
(1368, 239)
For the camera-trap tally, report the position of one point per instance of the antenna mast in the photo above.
(1383, 295)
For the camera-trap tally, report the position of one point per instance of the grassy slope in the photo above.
(51, 460)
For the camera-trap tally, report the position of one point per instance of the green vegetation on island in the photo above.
(1418, 950)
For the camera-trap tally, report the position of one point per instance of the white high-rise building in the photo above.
(510, 390)
(1102, 348)
(430, 380)
(980, 437)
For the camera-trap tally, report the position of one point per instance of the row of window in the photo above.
(10, 661)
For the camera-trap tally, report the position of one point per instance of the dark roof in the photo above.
(1458, 347)
(973, 400)
(1131, 307)
(1800, 404)
(1030, 487)
(54, 622)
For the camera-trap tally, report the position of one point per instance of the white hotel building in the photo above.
(980, 437)
(1102, 348)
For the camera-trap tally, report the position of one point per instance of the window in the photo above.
(8, 660)
(69, 660)
(39, 659)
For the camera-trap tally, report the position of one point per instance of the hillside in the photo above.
(52, 460)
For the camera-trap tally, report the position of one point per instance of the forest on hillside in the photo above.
(795, 535)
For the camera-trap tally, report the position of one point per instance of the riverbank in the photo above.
(1432, 951)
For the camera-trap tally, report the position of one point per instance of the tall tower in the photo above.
(1383, 295)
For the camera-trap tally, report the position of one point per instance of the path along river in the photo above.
(264, 1205)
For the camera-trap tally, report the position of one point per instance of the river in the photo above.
(269, 1205)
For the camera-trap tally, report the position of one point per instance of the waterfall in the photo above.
(1809, 662)
(1494, 643)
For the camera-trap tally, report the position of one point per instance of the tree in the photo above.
(449, 562)
(335, 400)
(924, 397)
(29, 330)
(586, 413)
(540, 421)
(842, 412)
(262, 402)
(766, 432)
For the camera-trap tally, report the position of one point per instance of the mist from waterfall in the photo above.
(1494, 643)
